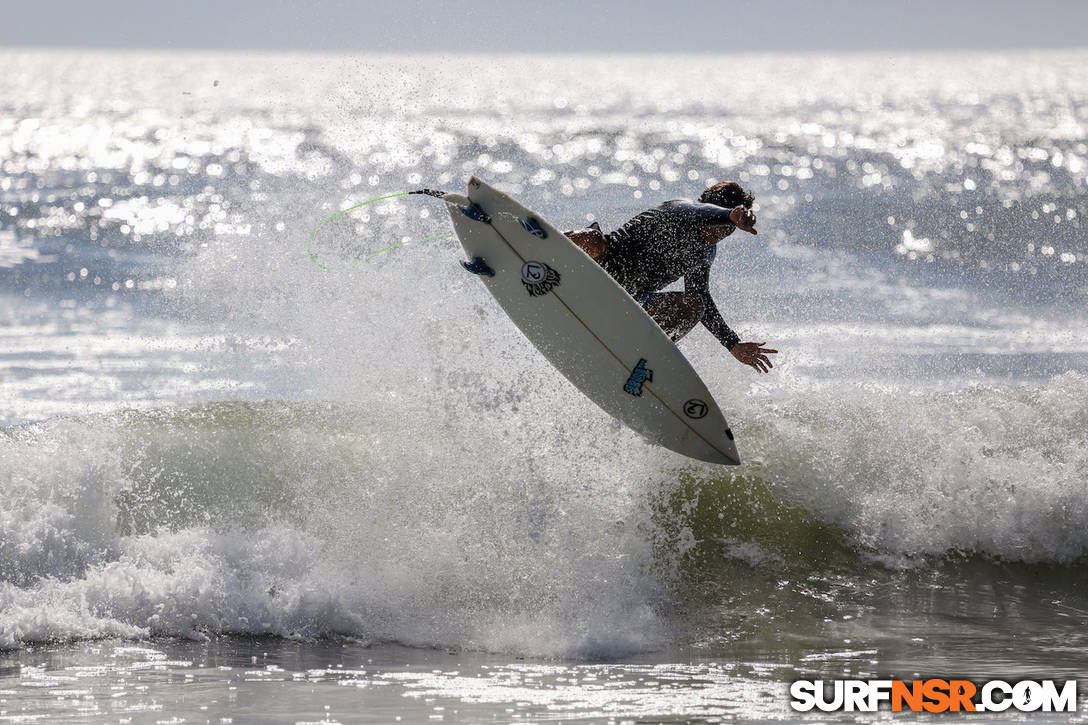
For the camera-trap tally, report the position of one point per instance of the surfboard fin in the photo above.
(478, 266)
(475, 213)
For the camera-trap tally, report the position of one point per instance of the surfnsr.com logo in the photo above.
(934, 695)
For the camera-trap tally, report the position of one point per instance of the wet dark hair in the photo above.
(727, 194)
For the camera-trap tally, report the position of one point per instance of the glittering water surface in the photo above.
(209, 438)
(348, 683)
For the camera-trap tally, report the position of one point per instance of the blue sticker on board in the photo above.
(639, 375)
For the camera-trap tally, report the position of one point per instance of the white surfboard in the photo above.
(587, 326)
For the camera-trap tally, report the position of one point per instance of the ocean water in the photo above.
(251, 474)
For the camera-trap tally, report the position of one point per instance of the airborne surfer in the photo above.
(677, 239)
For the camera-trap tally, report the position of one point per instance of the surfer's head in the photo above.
(728, 194)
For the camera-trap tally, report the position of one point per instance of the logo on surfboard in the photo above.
(639, 375)
(695, 408)
(538, 278)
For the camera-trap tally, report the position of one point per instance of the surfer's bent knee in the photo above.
(696, 304)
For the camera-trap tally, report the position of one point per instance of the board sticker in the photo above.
(538, 278)
(695, 408)
(639, 375)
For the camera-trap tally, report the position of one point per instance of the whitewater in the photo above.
(222, 463)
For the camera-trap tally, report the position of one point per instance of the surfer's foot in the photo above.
(675, 312)
(591, 240)
(478, 266)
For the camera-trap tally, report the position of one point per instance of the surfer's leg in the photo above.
(674, 312)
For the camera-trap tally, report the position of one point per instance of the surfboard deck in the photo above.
(588, 327)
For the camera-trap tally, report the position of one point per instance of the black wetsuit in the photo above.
(663, 244)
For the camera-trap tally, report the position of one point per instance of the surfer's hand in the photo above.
(743, 218)
(754, 354)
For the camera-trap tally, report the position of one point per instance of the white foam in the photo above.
(993, 470)
(389, 541)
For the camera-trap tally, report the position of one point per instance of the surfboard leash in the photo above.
(473, 212)
(430, 192)
(436, 193)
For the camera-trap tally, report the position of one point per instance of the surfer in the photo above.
(677, 239)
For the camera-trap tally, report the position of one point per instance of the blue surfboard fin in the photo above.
(475, 213)
(478, 266)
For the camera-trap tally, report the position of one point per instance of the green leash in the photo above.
(326, 220)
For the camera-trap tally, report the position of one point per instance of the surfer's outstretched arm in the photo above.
(698, 282)
(749, 353)
(711, 215)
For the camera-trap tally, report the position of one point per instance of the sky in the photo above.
(548, 25)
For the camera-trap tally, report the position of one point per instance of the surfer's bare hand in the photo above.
(754, 354)
(743, 218)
